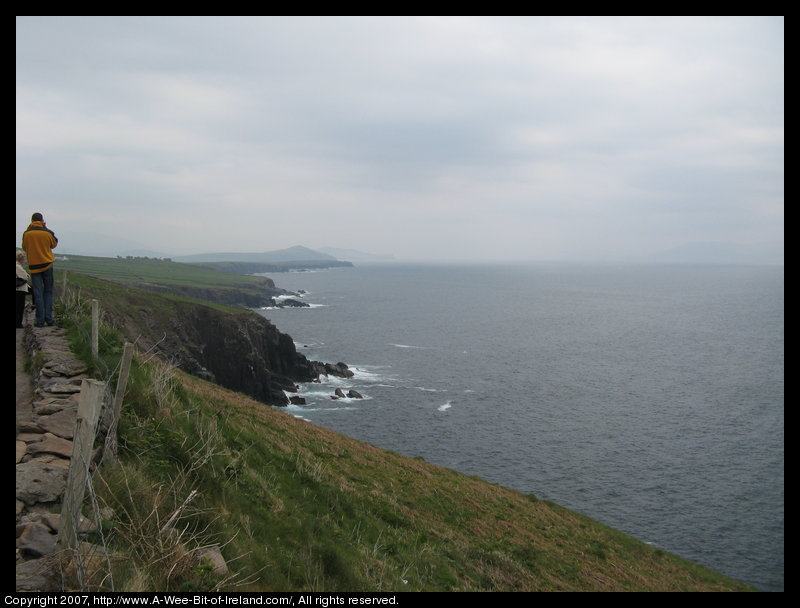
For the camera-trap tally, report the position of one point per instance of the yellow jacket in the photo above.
(38, 241)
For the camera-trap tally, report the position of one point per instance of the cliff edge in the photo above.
(238, 349)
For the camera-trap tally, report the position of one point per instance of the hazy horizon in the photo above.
(691, 253)
(423, 138)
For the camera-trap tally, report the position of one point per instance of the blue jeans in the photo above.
(43, 296)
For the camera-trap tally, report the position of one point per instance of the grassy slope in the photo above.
(191, 280)
(298, 507)
(116, 294)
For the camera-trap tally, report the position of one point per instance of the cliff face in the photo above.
(241, 351)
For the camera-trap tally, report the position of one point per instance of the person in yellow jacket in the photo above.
(38, 241)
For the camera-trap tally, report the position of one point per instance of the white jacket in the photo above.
(22, 274)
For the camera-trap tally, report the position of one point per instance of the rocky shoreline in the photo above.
(242, 351)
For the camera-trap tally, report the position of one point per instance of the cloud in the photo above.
(424, 137)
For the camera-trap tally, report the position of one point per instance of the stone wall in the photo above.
(45, 427)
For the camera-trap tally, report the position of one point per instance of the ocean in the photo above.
(647, 397)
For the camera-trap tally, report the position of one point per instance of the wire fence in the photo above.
(96, 423)
(96, 443)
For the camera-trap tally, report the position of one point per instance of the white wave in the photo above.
(372, 375)
(316, 393)
(430, 390)
(408, 346)
(332, 382)
(445, 407)
(298, 297)
(300, 410)
(364, 378)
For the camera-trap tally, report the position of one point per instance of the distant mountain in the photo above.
(352, 255)
(292, 254)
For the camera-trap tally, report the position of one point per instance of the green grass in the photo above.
(298, 507)
(165, 277)
(306, 508)
(139, 271)
(118, 295)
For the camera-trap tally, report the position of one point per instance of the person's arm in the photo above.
(52, 234)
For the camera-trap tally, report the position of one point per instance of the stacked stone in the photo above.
(45, 430)
(43, 449)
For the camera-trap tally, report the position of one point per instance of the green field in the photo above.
(139, 271)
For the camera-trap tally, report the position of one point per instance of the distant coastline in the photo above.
(270, 267)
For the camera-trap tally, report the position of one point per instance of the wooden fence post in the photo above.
(89, 406)
(64, 286)
(95, 327)
(119, 395)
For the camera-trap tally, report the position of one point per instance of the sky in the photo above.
(425, 138)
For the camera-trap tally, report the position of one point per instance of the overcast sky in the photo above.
(422, 137)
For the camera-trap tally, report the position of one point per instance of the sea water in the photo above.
(649, 398)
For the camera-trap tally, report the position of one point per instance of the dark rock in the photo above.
(36, 540)
(51, 405)
(339, 370)
(243, 352)
(64, 365)
(40, 482)
(53, 522)
(62, 423)
(62, 387)
(29, 426)
(39, 575)
(353, 394)
(297, 400)
(339, 394)
(50, 444)
(291, 303)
